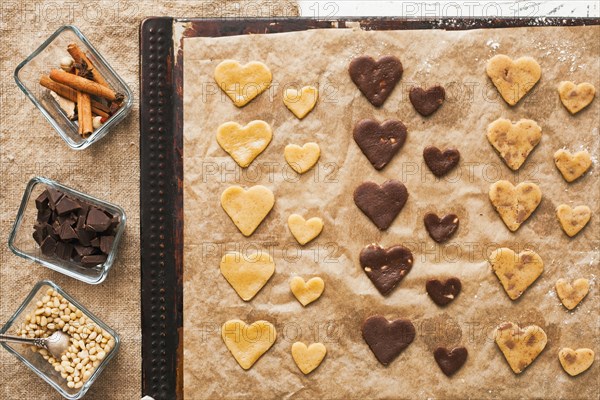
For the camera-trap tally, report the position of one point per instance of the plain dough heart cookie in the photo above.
(513, 79)
(308, 358)
(244, 143)
(520, 346)
(576, 97)
(572, 166)
(571, 295)
(247, 208)
(304, 231)
(573, 220)
(247, 343)
(301, 102)
(242, 83)
(516, 272)
(247, 275)
(302, 159)
(515, 203)
(307, 292)
(514, 142)
(577, 361)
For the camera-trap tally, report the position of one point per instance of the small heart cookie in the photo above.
(450, 361)
(572, 166)
(514, 142)
(440, 163)
(520, 346)
(516, 272)
(247, 275)
(513, 79)
(242, 83)
(576, 97)
(573, 220)
(304, 231)
(577, 361)
(244, 143)
(443, 293)
(515, 203)
(441, 229)
(307, 292)
(301, 102)
(426, 102)
(247, 208)
(247, 343)
(571, 295)
(308, 358)
(302, 159)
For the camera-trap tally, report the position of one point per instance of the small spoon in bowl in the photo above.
(57, 343)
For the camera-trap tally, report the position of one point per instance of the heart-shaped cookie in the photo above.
(387, 339)
(450, 361)
(513, 79)
(386, 267)
(440, 163)
(572, 166)
(571, 295)
(307, 292)
(376, 79)
(302, 159)
(577, 361)
(247, 208)
(242, 83)
(520, 346)
(515, 203)
(247, 343)
(244, 143)
(379, 142)
(441, 229)
(304, 231)
(247, 275)
(514, 142)
(426, 102)
(381, 204)
(443, 293)
(301, 102)
(308, 358)
(516, 272)
(573, 220)
(576, 97)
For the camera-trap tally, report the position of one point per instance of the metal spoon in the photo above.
(57, 343)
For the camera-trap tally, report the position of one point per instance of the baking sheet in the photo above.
(457, 61)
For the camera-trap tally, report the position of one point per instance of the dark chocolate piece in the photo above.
(98, 220)
(38, 236)
(84, 250)
(48, 246)
(95, 242)
(63, 251)
(443, 293)
(67, 205)
(442, 229)
(42, 201)
(426, 102)
(440, 163)
(106, 243)
(44, 215)
(92, 261)
(67, 232)
(387, 339)
(84, 236)
(376, 79)
(380, 142)
(381, 203)
(53, 197)
(386, 267)
(450, 361)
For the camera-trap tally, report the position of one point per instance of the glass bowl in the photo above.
(47, 57)
(34, 360)
(21, 241)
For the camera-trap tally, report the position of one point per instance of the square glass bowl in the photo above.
(21, 241)
(34, 361)
(47, 57)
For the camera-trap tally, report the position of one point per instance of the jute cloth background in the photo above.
(109, 169)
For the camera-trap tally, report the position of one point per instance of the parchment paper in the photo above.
(350, 371)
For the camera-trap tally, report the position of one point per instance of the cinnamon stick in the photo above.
(71, 94)
(84, 85)
(84, 114)
(80, 58)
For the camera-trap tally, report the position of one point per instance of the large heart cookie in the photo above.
(441, 229)
(450, 361)
(426, 102)
(514, 142)
(242, 83)
(302, 159)
(513, 79)
(386, 267)
(440, 163)
(515, 204)
(381, 203)
(308, 358)
(301, 102)
(520, 346)
(387, 339)
(247, 343)
(244, 143)
(376, 79)
(443, 293)
(576, 97)
(379, 142)
(515, 271)
(572, 166)
(573, 220)
(304, 231)
(247, 208)
(247, 275)
(571, 295)
(577, 361)
(307, 292)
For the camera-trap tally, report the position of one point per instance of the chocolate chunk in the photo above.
(92, 261)
(386, 338)
(95, 242)
(84, 236)
(98, 220)
(106, 243)
(442, 229)
(381, 203)
(42, 201)
(70, 219)
(63, 251)
(67, 205)
(443, 293)
(450, 361)
(39, 237)
(376, 79)
(380, 142)
(53, 197)
(84, 250)
(386, 267)
(44, 215)
(48, 246)
(426, 102)
(440, 163)
(67, 232)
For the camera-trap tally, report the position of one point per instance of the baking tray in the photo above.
(161, 158)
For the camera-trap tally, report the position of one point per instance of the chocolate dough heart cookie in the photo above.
(387, 339)
(514, 142)
(381, 203)
(515, 204)
(442, 229)
(440, 163)
(450, 361)
(516, 272)
(513, 79)
(386, 267)
(520, 346)
(443, 293)
(376, 79)
(572, 166)
(427, 101)
(576, 97)
(379, 142)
